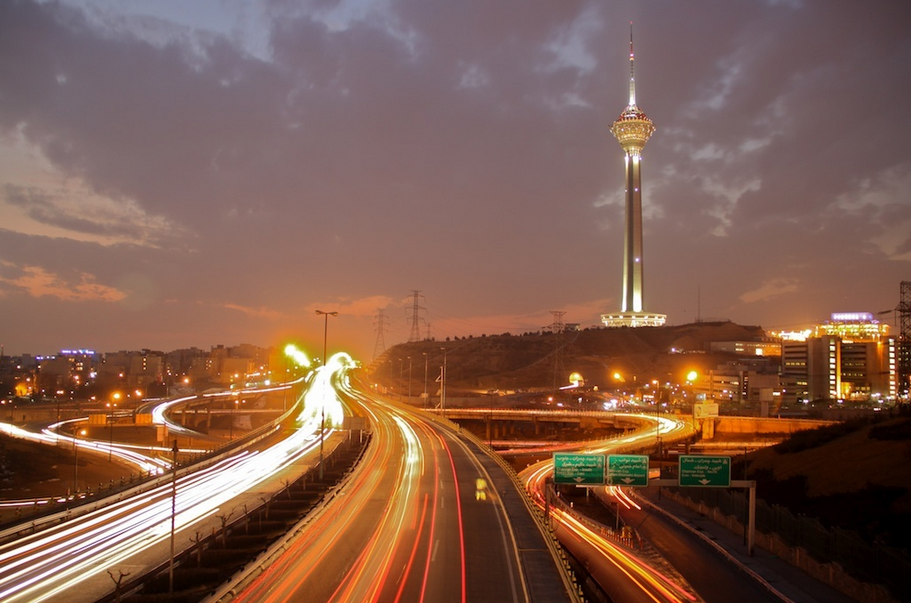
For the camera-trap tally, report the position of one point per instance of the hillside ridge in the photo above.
(532, 360)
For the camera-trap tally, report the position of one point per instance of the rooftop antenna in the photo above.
(632, 71)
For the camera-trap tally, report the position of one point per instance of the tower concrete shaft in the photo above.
(632, 239)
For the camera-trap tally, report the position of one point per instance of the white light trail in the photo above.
(40, 566)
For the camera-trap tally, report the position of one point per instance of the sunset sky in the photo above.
(182, 173)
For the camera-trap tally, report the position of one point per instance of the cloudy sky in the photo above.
(178, 174)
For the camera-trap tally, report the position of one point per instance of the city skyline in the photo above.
(175, 177)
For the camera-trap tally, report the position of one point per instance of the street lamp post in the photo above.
(409, 379)
(231, 410)
(425, 379)
(656, 395)
(112, 407)
(322, 423)
(657, 428)
(75, 462)
(111, 440)
(443, 385)
(691, 380)
(76, 434)
(174, 451)
(285, 381)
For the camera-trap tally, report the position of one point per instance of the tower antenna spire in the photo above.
(632, 73)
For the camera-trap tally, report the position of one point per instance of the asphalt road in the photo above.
(715, 580)
(414, 524)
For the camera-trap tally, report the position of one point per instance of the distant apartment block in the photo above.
(85, 374)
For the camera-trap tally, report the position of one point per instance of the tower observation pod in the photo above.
(632, 130)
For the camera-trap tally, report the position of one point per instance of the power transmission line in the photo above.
(415, 317)
(380, 321)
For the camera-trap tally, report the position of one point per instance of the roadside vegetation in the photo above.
(854, 475)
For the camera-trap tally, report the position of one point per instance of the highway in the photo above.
(420, 521)
(70, 561)
(715, 580)
(688, 572)
(623, 575)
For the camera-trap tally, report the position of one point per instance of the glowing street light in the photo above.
(576, 380)
(298, 356)
(425, 379)
(691, 379)
(111, 408)
(76, 434)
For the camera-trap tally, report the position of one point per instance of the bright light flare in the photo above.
(321, 402)
(298, 356)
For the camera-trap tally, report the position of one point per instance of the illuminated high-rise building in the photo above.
(632, 130)
(851, 356)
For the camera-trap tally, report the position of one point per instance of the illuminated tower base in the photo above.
(633, 319)
(632, 130)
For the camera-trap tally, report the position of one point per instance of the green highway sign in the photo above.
(627, 470)
(579, 469)
(700, 470)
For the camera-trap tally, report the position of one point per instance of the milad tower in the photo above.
(632, 130)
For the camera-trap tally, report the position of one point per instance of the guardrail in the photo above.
(226, 589)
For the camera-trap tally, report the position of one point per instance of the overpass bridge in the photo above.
(502, 422)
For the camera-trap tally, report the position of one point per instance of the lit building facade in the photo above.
(62, 374)
(850, 357)
(632, 130)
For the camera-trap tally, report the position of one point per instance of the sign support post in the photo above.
(737, 483)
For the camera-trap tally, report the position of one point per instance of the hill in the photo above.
(531, 360)
(854, 475)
